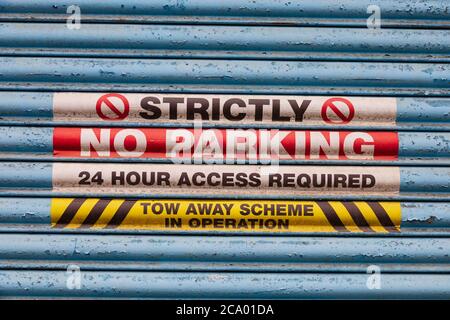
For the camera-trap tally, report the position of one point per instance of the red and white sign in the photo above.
(338, 111)
(224, 144)
(159, 108)
(112, 106)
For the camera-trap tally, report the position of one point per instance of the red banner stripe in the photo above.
(253, 144)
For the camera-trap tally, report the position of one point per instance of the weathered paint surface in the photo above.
(417, 14)
(223, 76)
(225, 285)
(249, 42)
(223, 249)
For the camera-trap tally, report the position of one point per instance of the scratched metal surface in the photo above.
(76, 74)
(233, 42)
(225, 285)
(223, 249)
(400, 13)
(253, 267)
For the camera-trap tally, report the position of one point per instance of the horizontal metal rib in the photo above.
(64, 178)
(237, 42)
(431, 13)
(38, 108)
(222, 249)
(38, 143)
(223, 76)
(47, 284)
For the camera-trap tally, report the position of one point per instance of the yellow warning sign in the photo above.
(237, 216)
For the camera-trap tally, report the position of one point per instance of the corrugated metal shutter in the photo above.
(239, 149)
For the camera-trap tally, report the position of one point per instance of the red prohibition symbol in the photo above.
(117, 105)
(342, 112)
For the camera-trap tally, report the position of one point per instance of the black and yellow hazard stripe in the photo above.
(223, 215)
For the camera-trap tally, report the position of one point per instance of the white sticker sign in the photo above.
(224, 109)
(225, 179)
